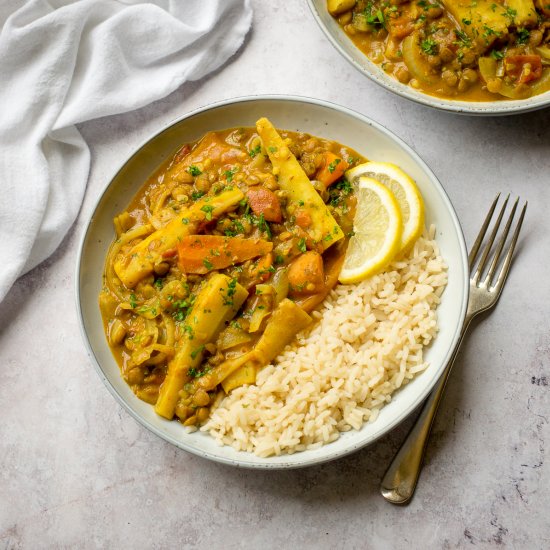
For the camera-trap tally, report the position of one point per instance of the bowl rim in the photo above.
(259, 464)
(473, 108)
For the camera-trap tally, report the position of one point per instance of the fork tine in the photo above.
(508, 259)
(501, 244)
(481, 234)
(489, 244)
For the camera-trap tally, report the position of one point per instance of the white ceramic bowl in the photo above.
(360, 61)
(299, 114)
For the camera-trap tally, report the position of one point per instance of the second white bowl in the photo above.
(362, 63)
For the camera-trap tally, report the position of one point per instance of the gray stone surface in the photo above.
(79, 472)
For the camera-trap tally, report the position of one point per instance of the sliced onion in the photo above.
(416, 62)
(488, 70)
(544, 52)
(541, 85)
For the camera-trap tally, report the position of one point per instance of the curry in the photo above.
(471, 50)
(219, 260)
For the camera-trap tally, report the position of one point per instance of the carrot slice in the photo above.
(303, 219)
(263, 201)
(332, 170)
(306, 274)
(203, 253)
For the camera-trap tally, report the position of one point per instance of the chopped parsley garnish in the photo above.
(246, 214)
(159, 283)
(256, 151)
(195, 352)
(185, 220)
(189, 330)
(270, 269)
(207, 264)
(147, 309)
(238, 226)
(332, 166)
(272, 149)
(235, 229)
(338, 191)
(179, 315)
(197, 195)
(231, 289)
(374, 18)
(181, 308)
(279, 259)
(194, 170)
(344, 186)
(264, 226)
(523, 36)
(195, 373)
(489, 32)
(510, 13)
(495, 54)
(229, 174)
(208, 211)
(302, 245)
(133, 301)
(466, 21)
(429, 46)
(463, 39)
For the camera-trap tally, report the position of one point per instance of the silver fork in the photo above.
(400, 479)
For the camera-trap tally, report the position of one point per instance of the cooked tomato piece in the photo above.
(401, 26)
(523, 68)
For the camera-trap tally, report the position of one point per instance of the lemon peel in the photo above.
(405, 191)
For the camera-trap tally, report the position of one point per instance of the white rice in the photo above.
(367, 342)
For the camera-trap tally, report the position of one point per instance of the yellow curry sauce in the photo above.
(471, 50)
(218, 260)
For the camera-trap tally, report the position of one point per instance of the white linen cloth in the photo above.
(63, 62)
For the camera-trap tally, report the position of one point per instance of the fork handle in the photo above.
(400, 479)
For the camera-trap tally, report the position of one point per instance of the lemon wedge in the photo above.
(405, 191)
(377, 228)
